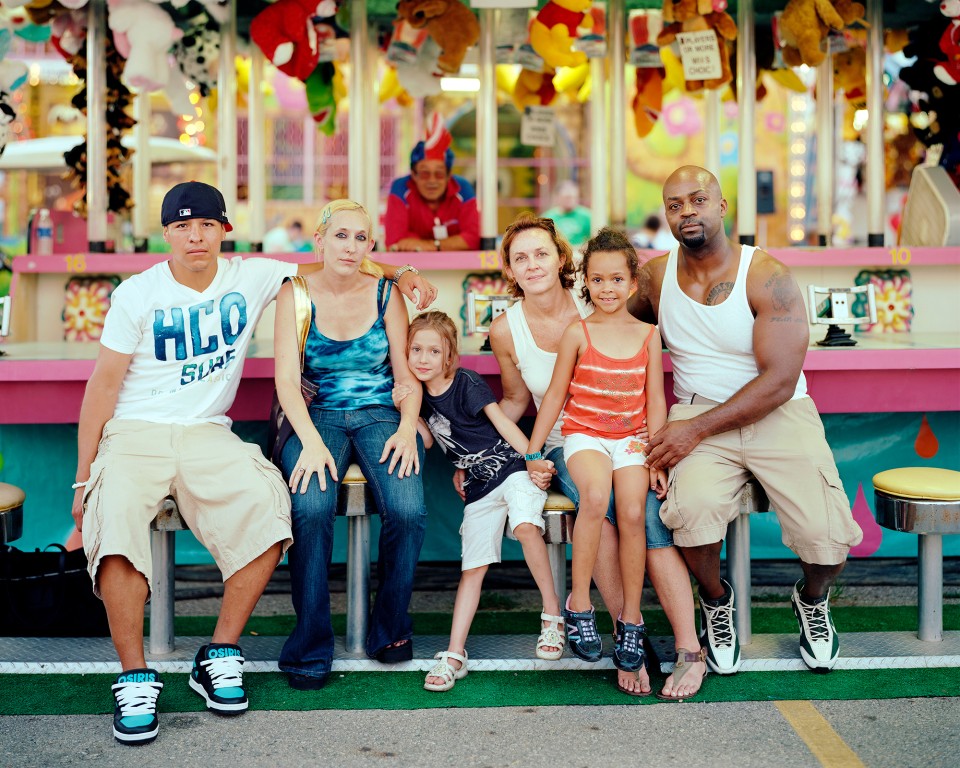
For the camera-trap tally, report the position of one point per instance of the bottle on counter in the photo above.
(44, 233)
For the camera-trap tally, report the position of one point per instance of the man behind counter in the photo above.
(431, 209)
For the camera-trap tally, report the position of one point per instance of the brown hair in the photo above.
(608, 240)
(440, 322)
(527, 221)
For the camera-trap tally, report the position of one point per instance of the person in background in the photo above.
(571, 218)
(653, 235)
(298, 243)
(431, 209)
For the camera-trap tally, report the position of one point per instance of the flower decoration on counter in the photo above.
(894, 297)
(449, 22)
(85, 306)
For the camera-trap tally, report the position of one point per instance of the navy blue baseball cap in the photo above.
(194, 200)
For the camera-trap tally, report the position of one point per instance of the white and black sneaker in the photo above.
(718, 635)
(218, 677)
(819, 643)
(135, 716)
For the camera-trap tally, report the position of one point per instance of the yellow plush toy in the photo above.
(805, 24)
(534, 89)
(554, 29)
(850, 74)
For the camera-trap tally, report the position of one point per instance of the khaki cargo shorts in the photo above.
(233, 499)
(788, 453)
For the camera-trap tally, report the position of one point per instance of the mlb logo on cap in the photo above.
(194, 200)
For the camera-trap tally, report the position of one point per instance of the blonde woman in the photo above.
(355, 352)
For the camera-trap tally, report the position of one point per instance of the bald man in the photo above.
(734, 321)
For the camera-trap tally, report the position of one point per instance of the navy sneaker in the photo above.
(628, 640)
(582, 634)
(218, 677)
(718, 635)
(135, 717)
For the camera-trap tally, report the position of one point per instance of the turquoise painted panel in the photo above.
(41, 459)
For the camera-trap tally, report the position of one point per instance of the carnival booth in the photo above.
(835, 137)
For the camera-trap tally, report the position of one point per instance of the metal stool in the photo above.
(752, 499)
(11, 513)
(355, 502)
(925, 501)
(559, 514)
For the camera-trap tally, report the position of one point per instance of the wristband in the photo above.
(402, 271)
(533, 456)
(84, 484)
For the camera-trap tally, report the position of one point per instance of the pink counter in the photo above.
(43, 383)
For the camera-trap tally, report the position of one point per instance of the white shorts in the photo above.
(623, 451)
(516, 500)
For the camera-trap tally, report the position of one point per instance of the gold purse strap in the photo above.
(301, 311)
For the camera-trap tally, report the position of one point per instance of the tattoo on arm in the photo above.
(719, 293)
(782, 288)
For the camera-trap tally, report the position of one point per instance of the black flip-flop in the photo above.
(394, 653)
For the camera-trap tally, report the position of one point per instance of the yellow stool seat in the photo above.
(354, 475)
(558, 502)
(919, 483)
(11, 497)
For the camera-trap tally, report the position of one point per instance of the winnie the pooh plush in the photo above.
(697, 16)
(805, 24)
(450, 23)
(534, 89)
(554, 29)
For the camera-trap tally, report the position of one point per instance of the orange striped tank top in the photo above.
(607, 395)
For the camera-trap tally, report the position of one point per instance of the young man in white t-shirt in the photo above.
(153, 423)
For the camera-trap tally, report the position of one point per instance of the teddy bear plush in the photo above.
(450, 23)
(554, 30)
(696, 16)
(850, 75)
(805, 24)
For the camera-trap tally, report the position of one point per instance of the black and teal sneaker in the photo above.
(218, 677)
(628, 653)
(582, 634)
(135, 717)
(819, 643)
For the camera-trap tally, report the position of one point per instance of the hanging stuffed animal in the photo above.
(949, 71)
(198, 52)
(450, 23)
(648, 100)
(554, 30)
(143, 33)
(697, 16)
(805, 24)
(285, 33)
(534, 89)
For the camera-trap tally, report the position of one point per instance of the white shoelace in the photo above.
(631, 640)
(817, 618)
(586, 628)
(137, 698)
(720, 623)
(226, 672)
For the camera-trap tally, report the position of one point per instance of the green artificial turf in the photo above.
(766, 620)
(90, 694)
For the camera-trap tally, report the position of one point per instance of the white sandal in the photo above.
(551, 637)
(446, 671)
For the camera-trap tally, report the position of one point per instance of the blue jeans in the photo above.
(352, 436)
(658, 535)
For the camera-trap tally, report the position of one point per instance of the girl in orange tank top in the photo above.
(608, 378)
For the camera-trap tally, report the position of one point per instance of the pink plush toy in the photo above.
(143, 33)
(286, 34)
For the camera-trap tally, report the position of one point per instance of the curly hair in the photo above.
(527, 221)
(608, 240)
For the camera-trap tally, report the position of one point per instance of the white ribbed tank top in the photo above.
(535, 364)
(711, 347)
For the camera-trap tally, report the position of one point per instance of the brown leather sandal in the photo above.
(680, 668)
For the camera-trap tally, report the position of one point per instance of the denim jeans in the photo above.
(658, 535)
(352, 436)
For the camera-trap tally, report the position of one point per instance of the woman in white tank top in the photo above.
(538, 263)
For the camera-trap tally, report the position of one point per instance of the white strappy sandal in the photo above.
(446, 671)
(552, 636)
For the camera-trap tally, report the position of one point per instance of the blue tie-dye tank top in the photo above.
(355, 373)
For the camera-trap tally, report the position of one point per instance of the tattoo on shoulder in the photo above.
(783, 289)
(719, 293)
